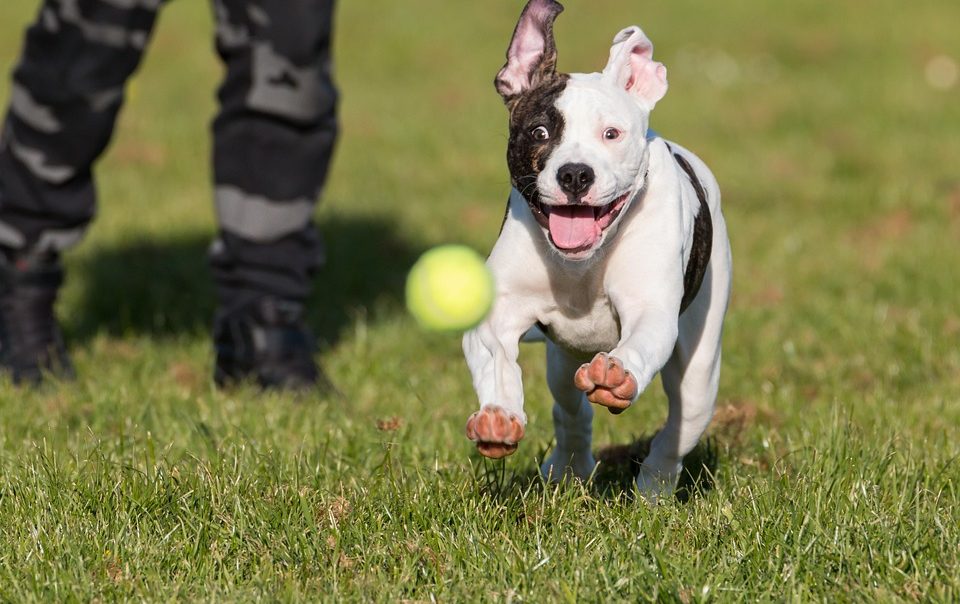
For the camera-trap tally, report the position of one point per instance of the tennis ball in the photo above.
(449, 288)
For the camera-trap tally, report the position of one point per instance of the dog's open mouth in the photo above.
(577, 227)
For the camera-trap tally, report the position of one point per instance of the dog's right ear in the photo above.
(532, 56)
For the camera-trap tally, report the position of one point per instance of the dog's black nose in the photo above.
(575, 179)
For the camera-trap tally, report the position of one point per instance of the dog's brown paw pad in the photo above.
(606, 382)
(495, 431)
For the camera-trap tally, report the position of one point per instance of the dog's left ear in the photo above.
(532, 55)
(631, 66)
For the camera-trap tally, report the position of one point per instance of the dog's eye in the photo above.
(611, 134)
(540, 133)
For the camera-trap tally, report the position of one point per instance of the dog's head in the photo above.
(578, 142)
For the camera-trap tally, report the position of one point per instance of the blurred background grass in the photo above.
(833, 128)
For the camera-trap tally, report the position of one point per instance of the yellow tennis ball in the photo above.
(449, 288)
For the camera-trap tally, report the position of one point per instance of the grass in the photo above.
(830, 473)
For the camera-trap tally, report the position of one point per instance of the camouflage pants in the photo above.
(273, 136)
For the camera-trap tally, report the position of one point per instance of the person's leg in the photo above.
(273, 140)
(65, 96)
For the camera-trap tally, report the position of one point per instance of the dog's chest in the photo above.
(582, 319)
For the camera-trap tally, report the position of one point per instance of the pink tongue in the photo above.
(573, 226)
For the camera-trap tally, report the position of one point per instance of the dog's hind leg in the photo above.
(572, 419)
(690, 379)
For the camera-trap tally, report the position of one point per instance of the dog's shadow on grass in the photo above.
(615, 474)
(164, 287)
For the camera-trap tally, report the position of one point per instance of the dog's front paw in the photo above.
(606, 382)
(495, 431)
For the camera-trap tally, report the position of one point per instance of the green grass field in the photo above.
(830, 473)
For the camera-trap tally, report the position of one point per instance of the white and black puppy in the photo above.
(613, 246)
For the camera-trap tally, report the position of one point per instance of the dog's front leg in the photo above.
(491, 351)
(645, 348)
(617, 378)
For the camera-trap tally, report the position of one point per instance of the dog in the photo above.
(613, 248)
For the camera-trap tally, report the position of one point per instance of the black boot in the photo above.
(268, 341)
(31, 344)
